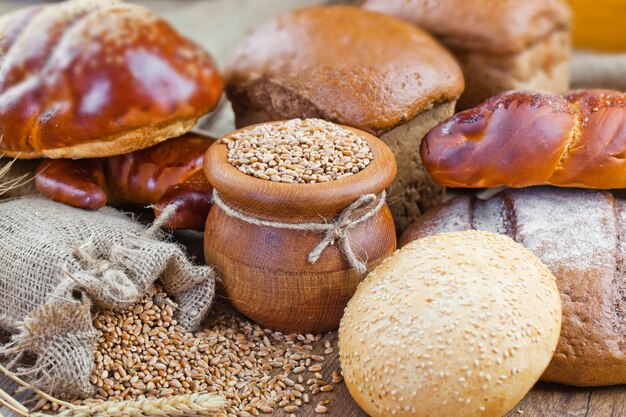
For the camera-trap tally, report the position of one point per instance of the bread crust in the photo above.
(87, 78)
(343, 64)
(579, 235)
(520, 139)
(545, 66)
(120, 144)
(500, 44)
(413, 191)
(495, 26)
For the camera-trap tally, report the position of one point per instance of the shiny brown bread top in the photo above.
(82, 72)
(520, 139)
(142, 177)
(495, 26)
(343, 64)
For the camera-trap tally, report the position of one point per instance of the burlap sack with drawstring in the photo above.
(58, 262)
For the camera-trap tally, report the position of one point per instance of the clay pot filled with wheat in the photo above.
(299, 218)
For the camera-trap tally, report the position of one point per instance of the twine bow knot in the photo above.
(337, 230)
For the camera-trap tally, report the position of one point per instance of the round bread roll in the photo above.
(460, 324)
(358, 68)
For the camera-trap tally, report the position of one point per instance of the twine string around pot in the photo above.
(336, 230)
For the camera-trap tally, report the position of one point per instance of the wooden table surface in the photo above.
(545, 400)
(219, 25)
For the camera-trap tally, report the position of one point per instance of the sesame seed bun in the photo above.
(460, 324)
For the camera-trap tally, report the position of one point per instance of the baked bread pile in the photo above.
(88, 79)
(577, 234)
(486, 296)
(522, 139)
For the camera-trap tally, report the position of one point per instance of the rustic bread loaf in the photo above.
(459, 324)
(579, 235)
(357, 68)
(500, 44)
(519, 139)
(86, 78)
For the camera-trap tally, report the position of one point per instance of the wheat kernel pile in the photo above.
(299, 151)
(143, 353)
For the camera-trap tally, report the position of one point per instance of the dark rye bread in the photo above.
(500, 44)
(579, 235)
(358, 68)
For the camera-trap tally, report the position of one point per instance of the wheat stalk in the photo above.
(189, 405)
(13, 183)
(208, 405)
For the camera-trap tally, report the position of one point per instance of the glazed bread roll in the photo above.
(85, 79)
(356, 68)
(460, 324)
(578, 234)
(500, 44)
(161, 175)
(519, 139)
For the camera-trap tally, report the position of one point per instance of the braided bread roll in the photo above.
(579, 235)
(520, 139)
(94, 78)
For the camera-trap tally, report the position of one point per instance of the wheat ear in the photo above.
(12, 404)
(200, 405)
(36, 390)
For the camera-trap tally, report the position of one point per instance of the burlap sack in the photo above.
(57, 262)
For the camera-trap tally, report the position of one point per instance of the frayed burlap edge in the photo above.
(60, 335)
(60, 331)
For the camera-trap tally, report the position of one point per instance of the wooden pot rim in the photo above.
(297, 202)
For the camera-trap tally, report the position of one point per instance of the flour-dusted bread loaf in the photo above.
(500, 44)
(519, 139)
(91, 78)
(579, 235)
(357, 68)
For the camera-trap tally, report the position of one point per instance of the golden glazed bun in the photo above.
(95, 78)
(460, 324)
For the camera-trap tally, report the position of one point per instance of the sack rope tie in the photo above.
(338, 230)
